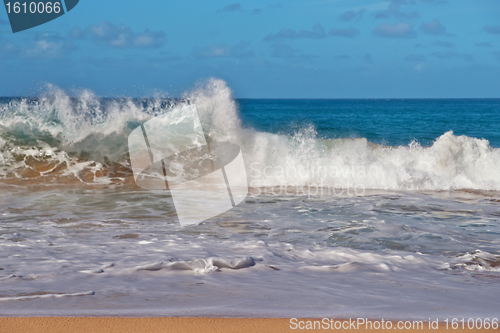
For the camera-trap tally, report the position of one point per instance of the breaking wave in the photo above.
(58, 139)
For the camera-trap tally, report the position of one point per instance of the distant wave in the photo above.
(60, 139)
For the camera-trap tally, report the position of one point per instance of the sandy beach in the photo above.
(181, 325)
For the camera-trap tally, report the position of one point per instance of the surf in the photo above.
(77, 138)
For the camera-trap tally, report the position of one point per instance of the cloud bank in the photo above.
(119, 36)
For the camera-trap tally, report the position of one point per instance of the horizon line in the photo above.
(291, 98)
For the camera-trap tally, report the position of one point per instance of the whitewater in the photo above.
(86, 136)
(334, 225)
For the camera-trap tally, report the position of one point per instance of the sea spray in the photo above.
(57, 138)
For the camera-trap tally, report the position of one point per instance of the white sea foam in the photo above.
(85, 130)
(452, 162)
(44, 296)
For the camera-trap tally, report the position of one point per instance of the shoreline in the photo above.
(195, 324)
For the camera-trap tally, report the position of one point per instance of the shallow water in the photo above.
(272, 255)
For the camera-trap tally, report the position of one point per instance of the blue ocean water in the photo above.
(391, 122)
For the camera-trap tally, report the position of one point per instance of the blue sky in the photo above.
(263, 49)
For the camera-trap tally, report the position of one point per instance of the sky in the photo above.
(262, 49)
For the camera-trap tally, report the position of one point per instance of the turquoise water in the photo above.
(390, 122)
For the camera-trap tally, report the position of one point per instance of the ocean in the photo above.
(356, 208)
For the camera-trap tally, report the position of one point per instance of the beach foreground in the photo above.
(181, 325)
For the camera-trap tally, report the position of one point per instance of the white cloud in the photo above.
(353, 15)
(399, 30)
(317, 32)
(121, 36)
(492, 29)
(433, 28)
(235, 7)
(224, 51)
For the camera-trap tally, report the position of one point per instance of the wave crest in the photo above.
(58, 138)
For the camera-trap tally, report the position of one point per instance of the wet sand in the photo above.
(179, 325)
